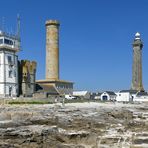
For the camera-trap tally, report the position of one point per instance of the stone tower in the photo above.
(52, 50)
(52, 83)
(137, 64)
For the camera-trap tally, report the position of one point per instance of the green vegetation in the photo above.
(45, 101)
(28, 102)
(25, 101)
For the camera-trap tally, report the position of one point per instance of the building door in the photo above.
(105, 98)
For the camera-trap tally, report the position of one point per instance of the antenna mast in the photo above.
(3, 24)
(18, 27)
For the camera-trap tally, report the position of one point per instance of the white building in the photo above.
(141, 97)
(126, 95)
(9, 46)
(123, 96)
(108, 96)
(83, 94)
(131, 95)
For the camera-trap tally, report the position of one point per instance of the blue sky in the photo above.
(95, 38)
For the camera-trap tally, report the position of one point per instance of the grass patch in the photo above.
(49, 101)
(28, 102)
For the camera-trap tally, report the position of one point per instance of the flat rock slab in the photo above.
(77, 125)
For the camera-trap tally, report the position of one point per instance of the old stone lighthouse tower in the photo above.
(52, 50)
(52, 80)
(137, 64)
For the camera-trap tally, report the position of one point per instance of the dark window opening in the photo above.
(9, 59)
(10, 91)
(1, 41)
(10, 73)
(105, 98)
(8, 42)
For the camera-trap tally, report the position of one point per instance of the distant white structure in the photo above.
(123, 97)
(126, 95)
(108, 96)
(141, 97)
(95, 95)
(83, 94)
(137, 36)
(131, 95)
(69, 97)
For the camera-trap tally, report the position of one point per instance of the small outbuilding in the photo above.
(108, 96)
(126, 95)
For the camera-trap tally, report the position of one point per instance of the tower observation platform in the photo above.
(9, 42)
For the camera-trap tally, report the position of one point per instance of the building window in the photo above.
(1, 41)
(8, 42)
(10, 73)
(14, 73)
(10, 90)
(9, 59)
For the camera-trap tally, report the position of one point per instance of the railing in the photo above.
(10, 47)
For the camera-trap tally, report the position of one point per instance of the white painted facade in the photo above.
(8, 66)
(141, 99)
(123, 96)
(97, 97)
(127, 96)
(105, 96)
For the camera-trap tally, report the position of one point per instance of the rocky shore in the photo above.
(77, 125)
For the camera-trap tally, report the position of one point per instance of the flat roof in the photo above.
(52, 81)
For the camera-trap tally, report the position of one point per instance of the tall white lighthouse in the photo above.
(9, 46)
